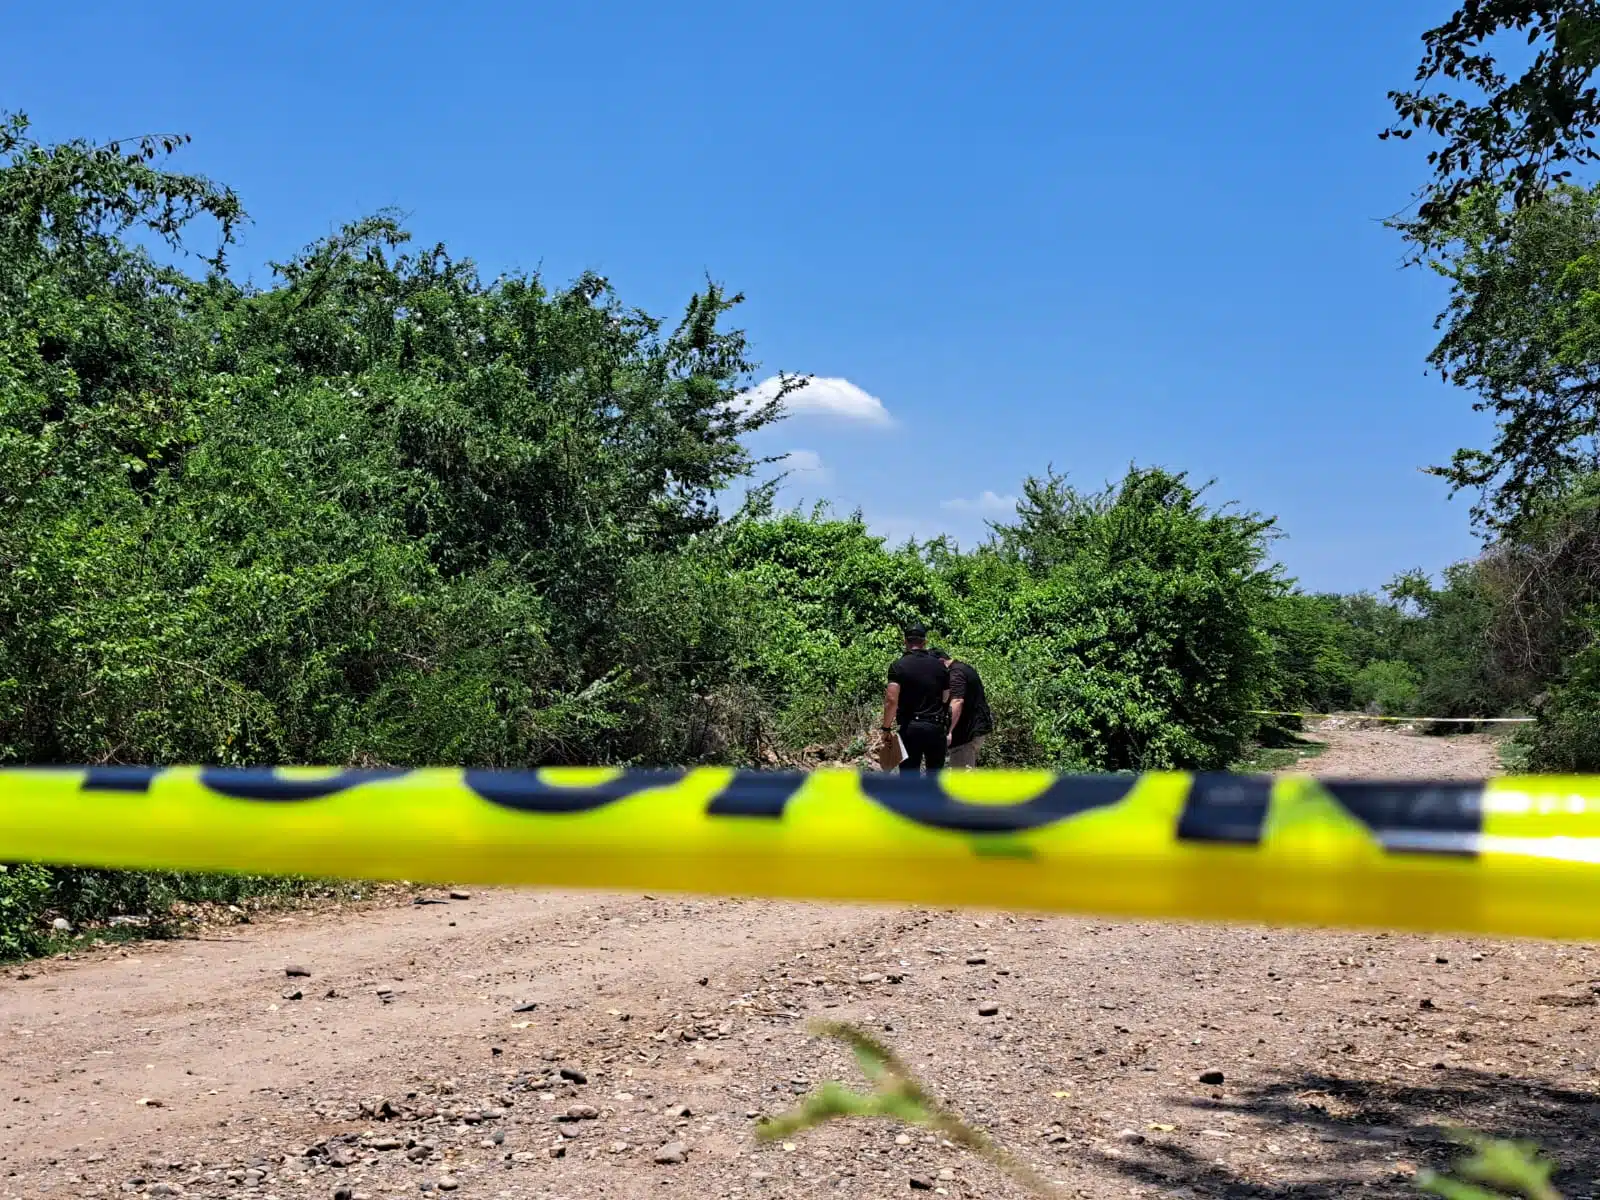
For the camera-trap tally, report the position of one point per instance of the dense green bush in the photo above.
(386, 511)
(1449, 642)
(24, 900)
(1136, 617)
(1387, 687)
(381, 511)
(824, 602)
(1312, 669)
(1566, 737)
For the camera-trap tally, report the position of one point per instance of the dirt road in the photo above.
(676, 1023)
(1391, 754)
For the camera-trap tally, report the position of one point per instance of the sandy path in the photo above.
(1337, 1075)
(1391, 754)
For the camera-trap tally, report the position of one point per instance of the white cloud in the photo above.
(806, 463)
(989, 504)
(826, 397)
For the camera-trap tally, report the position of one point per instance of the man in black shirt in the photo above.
(970, 720)
(919, 688)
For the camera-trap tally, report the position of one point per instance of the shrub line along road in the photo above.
(1343, 1055)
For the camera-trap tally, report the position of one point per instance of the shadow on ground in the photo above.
(1318, 1135)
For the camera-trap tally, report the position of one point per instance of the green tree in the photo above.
(1369, 628)
(1139, 616)
(1501, 134)
(1388, 688)
(825, 602)
(1566, 737)
(1446, 645)
(1311, 667)
(1522, 330)
(382, 510)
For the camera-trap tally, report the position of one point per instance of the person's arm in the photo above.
(891, 704)
(955, 718)
(956, 697)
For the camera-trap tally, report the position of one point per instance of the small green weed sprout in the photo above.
(1495, 1170)
(898, 1094)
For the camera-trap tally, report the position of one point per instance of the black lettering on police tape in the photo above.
(264, 783)
(119, 779)
(1225, 808)
(1415, 818)
(756, 794)
(526, 791)
(927, 803)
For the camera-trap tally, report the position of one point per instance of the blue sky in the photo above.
(1033, 234)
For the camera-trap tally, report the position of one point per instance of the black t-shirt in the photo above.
(975, 717)
(923, 680)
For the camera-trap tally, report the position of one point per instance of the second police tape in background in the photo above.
(1265, 712)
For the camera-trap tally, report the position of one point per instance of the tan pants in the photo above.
(965, 756)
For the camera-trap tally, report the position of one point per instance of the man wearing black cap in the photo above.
(919, 689)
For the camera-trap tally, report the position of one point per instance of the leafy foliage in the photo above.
(1139, 615)
(1387, 687)
(1567, 736)
(825, 600)
(1494, 1170)
(1450, 643)
(381, 511)
(24, 898)
(1503, 135)
(1517, 627)
(1312, 667)
(1522, 330)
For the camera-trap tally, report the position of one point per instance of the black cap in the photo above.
(915, 631)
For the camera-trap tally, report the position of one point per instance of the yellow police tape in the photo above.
(1267, 712)
(1515, 855)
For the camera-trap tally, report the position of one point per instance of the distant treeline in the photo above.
(385, 511)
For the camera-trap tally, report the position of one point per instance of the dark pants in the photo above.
(925, 745)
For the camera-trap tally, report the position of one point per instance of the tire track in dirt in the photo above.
(1337, 1075)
